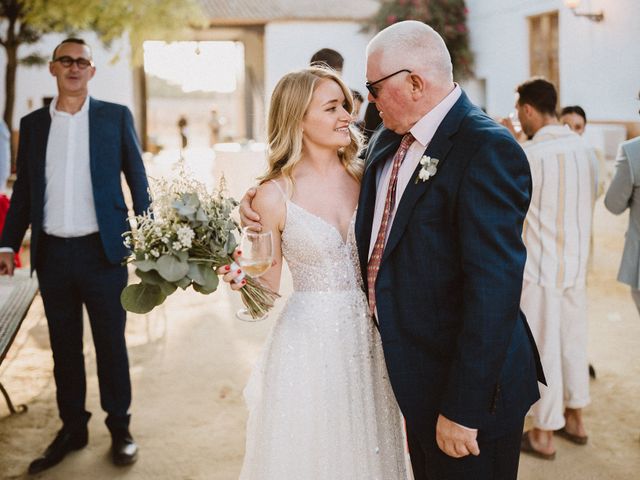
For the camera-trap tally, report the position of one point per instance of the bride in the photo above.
(319, 399)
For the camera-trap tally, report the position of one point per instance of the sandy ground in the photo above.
(191, 358)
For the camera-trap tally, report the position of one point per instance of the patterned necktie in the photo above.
(376, 256)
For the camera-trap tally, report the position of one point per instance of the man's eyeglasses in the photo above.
(372, 89)
(67, 61)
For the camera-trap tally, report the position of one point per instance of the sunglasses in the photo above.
(372, 89)
(67, 61)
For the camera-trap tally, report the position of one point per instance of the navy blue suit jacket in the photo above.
(114, 148)
(448, 289)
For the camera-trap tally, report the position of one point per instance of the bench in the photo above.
(16, 296)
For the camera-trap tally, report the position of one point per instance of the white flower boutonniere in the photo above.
(429, 168)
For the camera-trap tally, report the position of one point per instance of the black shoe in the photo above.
(66, 441)
(124, 450)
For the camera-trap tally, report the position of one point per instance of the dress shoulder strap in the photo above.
(284, 194)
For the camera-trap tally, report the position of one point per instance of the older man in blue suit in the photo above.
(443, 200)
(70, 159)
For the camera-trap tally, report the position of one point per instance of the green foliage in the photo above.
(34, 60)
(447, 17)
(141, 20)
(141, 297)
(180, 242)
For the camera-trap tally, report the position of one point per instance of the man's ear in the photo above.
(527, 109)
(418, 85)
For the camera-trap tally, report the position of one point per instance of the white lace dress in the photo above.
(319, 399)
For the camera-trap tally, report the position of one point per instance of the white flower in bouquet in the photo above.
(180, 242)
(185, 235)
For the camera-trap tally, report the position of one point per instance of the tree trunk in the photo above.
(11, 44)
(10, 84)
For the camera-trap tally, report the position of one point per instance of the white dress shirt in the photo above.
(423, 131)
(69, 209)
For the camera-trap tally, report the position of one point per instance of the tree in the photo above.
(24, 22)
(447, 17)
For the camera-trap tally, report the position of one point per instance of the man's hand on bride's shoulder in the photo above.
(248, 216)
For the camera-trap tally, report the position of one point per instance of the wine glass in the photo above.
(255, 260)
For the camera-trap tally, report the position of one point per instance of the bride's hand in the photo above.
(248, 216)
(231, 272)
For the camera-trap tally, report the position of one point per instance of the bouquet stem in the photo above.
(258, 298)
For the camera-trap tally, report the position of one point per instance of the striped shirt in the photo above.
(557, 228)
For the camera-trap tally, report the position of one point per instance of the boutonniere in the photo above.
(429, 168)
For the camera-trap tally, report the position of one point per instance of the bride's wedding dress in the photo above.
(319, 399)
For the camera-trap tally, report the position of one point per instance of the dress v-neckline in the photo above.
(326, 222)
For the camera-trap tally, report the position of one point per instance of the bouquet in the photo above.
(180, 242)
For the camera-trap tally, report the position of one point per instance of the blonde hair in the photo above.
(289, 104)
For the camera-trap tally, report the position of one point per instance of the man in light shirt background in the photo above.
(623, 194)
(556, 233)
(69, 190)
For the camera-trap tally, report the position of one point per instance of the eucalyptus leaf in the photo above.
(203, 275)
(167, 288)
(151, 277)
(231, 245)
(196, 273)
(183, 283)
(141, 297)
(201, 215)
(204, 289)
(187, 205)
(145, 265)
(171, 268)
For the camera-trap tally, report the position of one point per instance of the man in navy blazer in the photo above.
(460, 355)
(69, 190)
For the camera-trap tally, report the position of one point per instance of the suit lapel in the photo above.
(383, 144)
(95, 111)
(438, 148)
(41, 137)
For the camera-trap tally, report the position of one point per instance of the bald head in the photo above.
(415, 46)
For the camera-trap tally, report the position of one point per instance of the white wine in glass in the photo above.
(254, 268)
(256, 258)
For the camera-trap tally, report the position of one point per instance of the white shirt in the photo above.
(69, 209)
(423, 131)
(557, 229)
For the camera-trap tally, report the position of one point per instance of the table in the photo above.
(16, 295)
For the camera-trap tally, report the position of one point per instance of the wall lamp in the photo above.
(594, 17)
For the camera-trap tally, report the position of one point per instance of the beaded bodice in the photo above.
(318, 257)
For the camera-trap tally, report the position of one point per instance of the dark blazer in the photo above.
(114, 148)
(448, 289)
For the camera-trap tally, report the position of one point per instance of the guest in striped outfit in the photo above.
(556, 233)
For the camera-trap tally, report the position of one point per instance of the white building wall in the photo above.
(113, 81)
(599, 62)
(290, 45)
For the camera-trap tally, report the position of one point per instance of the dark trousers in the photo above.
(498, 459)
(72, 272)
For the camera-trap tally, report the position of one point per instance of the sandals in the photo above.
(577, 439)
(526, 447)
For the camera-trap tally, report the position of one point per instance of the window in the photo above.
(543, 47)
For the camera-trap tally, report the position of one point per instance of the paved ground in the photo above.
(191, 358)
